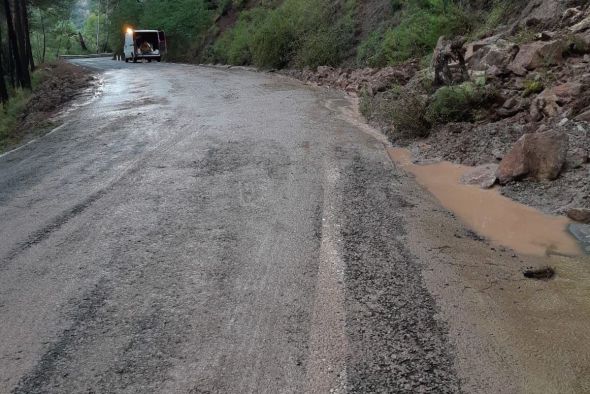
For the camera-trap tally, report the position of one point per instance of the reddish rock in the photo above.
(581, 42)
(484, 176)
(581, 26)
(581, 215)
(541, 12)
(484, 54)
(584, 116)
(550, 102)
(577, 157)
(573, 15)
(537, 54)
(538, 155)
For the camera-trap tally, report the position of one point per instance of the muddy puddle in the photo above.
(493, 216)
(499, 219)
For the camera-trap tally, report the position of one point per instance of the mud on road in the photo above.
(202, 230)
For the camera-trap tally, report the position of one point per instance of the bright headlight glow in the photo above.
(129, 30)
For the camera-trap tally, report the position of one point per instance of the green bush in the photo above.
(234, 46)
(12, 112)
(408, 115)
(298, 32)
(273, 42)
(458, 103)
(9, 116)
(532, 86)
(327, 46)
(371, 52)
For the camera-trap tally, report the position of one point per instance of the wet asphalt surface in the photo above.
(201, 230)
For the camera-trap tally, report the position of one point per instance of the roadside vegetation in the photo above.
(297, 33)
(12, 110)
(421, 23)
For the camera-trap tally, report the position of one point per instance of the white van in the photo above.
(144, 44)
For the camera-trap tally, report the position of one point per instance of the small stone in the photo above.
(484, 176)
(498, 154)
(577, 157)
(581, 215)
(584, 116)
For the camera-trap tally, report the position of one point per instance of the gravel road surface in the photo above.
(206, 230)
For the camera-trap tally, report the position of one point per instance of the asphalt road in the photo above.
(202, 230)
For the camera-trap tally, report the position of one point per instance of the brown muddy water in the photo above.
(493, 216)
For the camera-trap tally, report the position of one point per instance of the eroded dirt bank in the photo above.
(56, 85)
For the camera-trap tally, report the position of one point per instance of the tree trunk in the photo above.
(11, 67)
(107, 27)
(59, 42)
(3, 90)
(19, 28)
(98, 28)
(22, 71)
(29, 49)
(82, 43)
(106, 41)
(44, 36)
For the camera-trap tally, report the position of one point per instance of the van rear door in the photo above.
(162, 39)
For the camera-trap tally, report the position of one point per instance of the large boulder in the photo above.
(550, 102)
(490, 52)
(537, 54)
(541, 13)
(537, 155)
(581, 42)
(384, 78)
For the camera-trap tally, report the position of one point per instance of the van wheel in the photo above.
(126, 60)
(159, 59)
(149, 60)
(134, 59)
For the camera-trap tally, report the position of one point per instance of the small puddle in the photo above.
(498, 218)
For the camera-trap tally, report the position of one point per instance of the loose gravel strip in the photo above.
(396, 343)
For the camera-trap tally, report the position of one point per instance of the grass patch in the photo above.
(524, 35)
(458, 103)
(10, 114)
(532, 86)
(28, 111)
(12, 111)
(422, 22)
